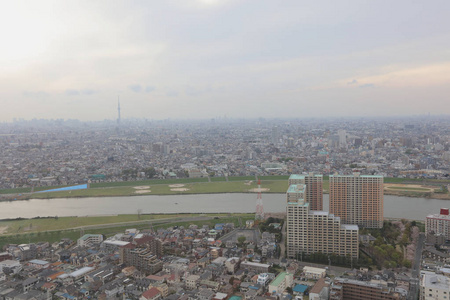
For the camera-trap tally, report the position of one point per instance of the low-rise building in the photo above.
(314, 273)
(434, 286)
(348, 289)
(89, 240)
(439, 224)
(280, 283)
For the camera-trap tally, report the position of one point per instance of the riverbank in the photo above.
(269, 184)
(247, 186)
(54, 229)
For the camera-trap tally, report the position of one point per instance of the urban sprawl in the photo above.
(348, 252)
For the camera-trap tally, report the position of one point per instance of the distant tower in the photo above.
(259, 204)
(327, 162)
(118, 110)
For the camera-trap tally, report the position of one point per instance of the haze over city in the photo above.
(208, 59)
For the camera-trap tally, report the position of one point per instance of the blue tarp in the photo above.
(300, 288)
(67, 188)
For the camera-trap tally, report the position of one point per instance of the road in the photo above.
(414, 286)
(155, 221)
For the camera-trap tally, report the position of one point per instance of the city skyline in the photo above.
(208, 59)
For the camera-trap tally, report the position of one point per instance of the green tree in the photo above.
(241, 240)
(150, 172)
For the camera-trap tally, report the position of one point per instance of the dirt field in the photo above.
(258, 190)
(176, 185)
(143, 191)
(408, 187)
(144, 187)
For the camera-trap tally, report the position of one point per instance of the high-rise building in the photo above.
(357, 199)
(342, 138)
(439, 224)
(275, 136)
(314, 188)
(316, 231)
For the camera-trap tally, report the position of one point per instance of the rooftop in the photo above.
(350, 227)
(296, 188)
(279, 279)
(81, 271)
(39, 262)
(436, 281)
(301, 176)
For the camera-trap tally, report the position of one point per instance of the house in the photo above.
(300, 289)
(151, 294)
(314, 273)
(319, 291)
(191, 281)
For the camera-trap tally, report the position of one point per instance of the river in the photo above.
(394, 206)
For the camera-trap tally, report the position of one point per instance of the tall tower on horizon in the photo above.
(118, 110)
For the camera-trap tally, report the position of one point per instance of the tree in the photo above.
(7, 271)
(241, 240)
(150, 172)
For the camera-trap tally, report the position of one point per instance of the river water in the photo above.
(394, 206)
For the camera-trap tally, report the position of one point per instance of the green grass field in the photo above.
(275, 184)
(52, 230)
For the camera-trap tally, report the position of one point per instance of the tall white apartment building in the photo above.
(316, 231)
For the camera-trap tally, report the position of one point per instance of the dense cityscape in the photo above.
(58, 152)
(348, 252)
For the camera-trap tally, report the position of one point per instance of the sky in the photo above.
(203, 59)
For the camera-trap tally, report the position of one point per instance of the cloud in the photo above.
(354, 81)
(135, 88)
(87, 92)
(172, 93)
(35, 94)
(149, 89)
(72, 93)
(367, 85)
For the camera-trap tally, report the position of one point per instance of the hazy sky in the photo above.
(211, 58)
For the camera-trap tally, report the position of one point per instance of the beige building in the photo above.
(280, 283)
(314, 273)
(314, 188)
(434, 286)
(141, 258)
(357, 199)
(89, 240)
(348, 289)
(192, 281)
(316, 231)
